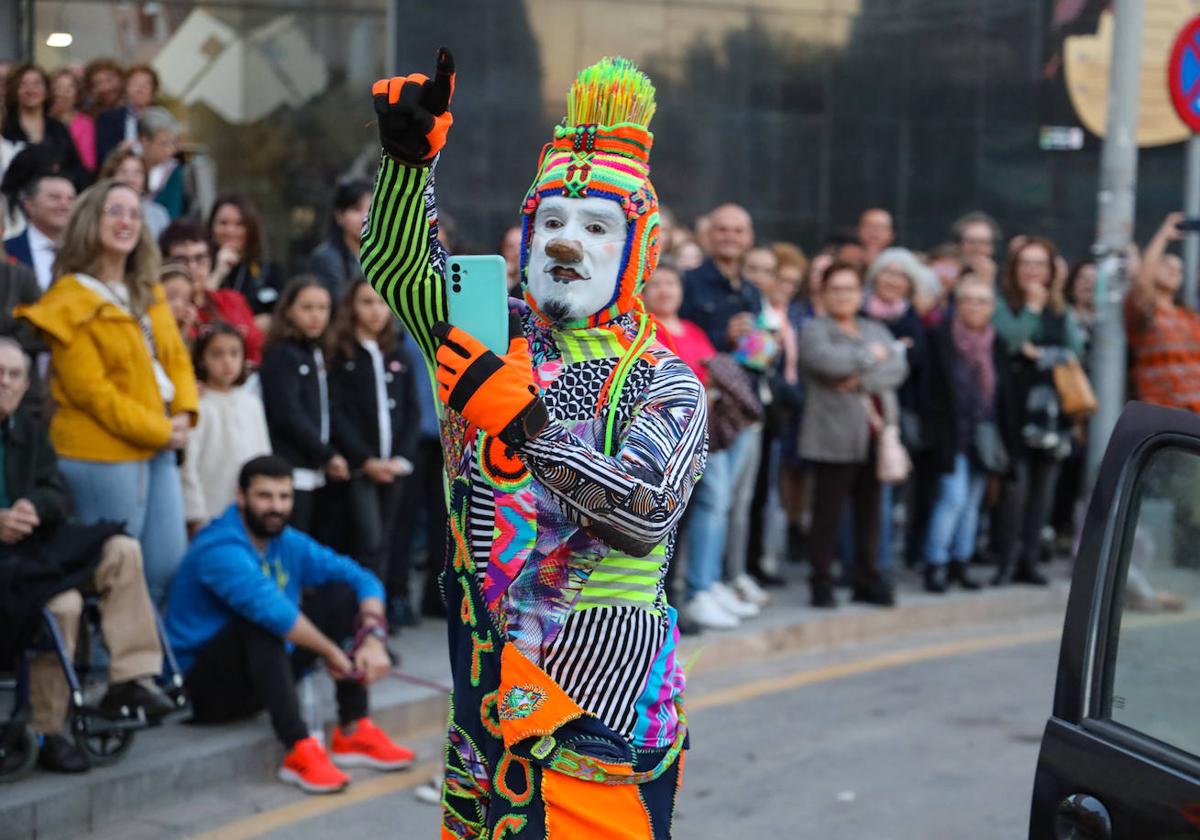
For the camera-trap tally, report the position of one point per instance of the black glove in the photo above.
(413, 115)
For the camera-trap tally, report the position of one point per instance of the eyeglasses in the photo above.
(1032, 263)
(192, 259)
(113, 211)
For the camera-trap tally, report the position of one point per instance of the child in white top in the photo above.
(232, 428)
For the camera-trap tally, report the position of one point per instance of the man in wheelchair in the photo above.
(48, 561)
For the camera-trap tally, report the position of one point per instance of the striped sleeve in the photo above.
(398, 258)
(632, 500)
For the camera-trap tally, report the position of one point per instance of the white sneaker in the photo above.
(431, 792)
(749, 590)
(708, 613)
(731, 603)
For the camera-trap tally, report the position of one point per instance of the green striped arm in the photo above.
(395, 251)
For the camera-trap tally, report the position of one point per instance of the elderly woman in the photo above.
(158, 133)
(894, 280)
(972, 424)
(852, 366)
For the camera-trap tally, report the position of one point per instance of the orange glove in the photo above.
(495, 393)
(413, 120)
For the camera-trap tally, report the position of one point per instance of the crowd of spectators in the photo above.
(281, 430)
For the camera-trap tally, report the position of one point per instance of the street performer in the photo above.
(569, 463)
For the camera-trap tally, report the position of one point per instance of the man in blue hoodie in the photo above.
(242, 633)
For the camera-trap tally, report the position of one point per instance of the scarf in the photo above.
(882, 311)
(975, 348)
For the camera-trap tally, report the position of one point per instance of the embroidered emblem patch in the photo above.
(521, 701)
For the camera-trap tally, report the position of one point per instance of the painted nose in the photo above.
(564, 250)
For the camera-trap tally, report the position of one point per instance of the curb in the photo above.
(49, 807)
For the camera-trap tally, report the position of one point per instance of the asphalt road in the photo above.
(929, 737)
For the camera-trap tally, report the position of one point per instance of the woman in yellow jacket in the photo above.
(121, 378)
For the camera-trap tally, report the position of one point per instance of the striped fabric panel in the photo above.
(583, 347)
(601, 658)
(396, 257)
(621, 580)
(482, 526)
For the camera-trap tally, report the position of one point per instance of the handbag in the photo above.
(989, 448)
(892, 462)
(1075, 393)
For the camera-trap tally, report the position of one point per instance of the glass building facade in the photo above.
(805, 111)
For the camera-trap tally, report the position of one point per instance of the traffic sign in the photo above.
(1183, 74)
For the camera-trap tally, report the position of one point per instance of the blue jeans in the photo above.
(955, 519)
(147, 497)
(708, 521)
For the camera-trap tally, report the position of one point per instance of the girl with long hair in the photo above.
(375, 425)
(295, 390)
(121, 377)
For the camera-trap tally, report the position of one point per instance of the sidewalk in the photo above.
(173, 762)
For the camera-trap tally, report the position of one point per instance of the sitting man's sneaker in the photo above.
(368, 746)
(124, 699)
(308, 767)
(58, 754)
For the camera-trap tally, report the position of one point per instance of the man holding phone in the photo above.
(570, 459)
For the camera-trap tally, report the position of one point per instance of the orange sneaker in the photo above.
(307, 766)
(368, 746)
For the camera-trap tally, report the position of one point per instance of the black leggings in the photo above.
(246, 668)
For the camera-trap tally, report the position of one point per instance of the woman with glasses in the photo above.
(1039, 332)
(122, 378)
(187, 243)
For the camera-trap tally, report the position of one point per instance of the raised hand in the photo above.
(412, 110)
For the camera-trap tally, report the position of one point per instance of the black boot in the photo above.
(877, 592)
(125, 699)
(1027, 574)
(934, 582)
(823, 596)
(957, 573)
(59, 754)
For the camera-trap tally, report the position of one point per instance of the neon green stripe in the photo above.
(628, 595)
(630, 563)
(619, 577)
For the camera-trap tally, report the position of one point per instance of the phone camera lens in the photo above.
(457, 288)
(454, 266)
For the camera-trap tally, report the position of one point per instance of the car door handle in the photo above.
(1082, 817)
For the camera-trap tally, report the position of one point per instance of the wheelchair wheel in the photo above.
(18, 751)
(102, 739)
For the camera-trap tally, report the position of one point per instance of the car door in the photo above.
(1120, 757)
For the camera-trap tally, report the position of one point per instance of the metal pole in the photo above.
(1114, 228)
(1191, 209)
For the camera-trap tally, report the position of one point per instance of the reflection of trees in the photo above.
(740, 120)
(498, 125)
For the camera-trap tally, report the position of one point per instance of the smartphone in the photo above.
(477, 298)
(1188, 225)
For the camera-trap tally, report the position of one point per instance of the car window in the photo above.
(1154, 676)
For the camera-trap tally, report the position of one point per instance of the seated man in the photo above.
(46, 561)
(235, 622)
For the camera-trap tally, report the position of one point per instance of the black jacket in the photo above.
(31, 470)
(62, 156)
(356, 411)
(939, 416)
(909, 326)
(292, 399)
(18, 286)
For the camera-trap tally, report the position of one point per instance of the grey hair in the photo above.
(976, 217)
(156, 119)
(920, 278)
(13, 344)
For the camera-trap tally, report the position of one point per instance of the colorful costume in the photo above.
(565, 718)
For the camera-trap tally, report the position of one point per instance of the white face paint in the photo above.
(575, 256)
